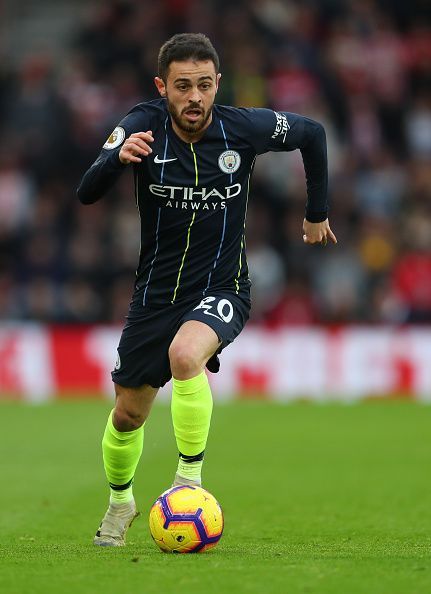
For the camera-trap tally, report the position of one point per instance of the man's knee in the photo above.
(132, 407)
(127, 419)
(185, 361)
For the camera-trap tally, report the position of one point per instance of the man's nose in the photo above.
(195, 95)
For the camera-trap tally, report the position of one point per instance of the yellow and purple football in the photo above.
(186, 519)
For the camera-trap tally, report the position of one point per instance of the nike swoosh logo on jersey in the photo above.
(157, 160)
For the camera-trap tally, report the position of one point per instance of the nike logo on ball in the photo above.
(157, 160)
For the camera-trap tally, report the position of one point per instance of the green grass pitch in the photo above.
(325, 499)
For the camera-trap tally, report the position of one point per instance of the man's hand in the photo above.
(135, 145)
(318, 232)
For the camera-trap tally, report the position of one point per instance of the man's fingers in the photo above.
(323, 241)
(147, 136)
(137, 145)
(312, 240)
(130, 152)
(318, 233)
(129, 156)
(332, 236)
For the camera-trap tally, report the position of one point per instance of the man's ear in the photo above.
(218, 77)
(160, 86)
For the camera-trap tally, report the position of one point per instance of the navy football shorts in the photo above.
(148, 332)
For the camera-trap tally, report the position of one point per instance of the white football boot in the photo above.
(115, 523)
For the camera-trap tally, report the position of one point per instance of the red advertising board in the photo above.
(40, 362)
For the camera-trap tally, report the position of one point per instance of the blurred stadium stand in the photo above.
(70, 70)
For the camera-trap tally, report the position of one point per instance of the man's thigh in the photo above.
(198, 340)
(144, 344)
(226, 314)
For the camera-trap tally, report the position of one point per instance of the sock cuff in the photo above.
(122, 435)
(189, 386)
(122, 487)
(190, 459)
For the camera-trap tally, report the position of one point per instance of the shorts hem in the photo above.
(130, 384)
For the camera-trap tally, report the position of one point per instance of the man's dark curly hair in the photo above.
(186, 46)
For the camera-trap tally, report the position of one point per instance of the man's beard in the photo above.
(184, 125)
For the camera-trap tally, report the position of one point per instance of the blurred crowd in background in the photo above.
(360, 67)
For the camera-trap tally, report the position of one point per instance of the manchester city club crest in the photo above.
(229, 161)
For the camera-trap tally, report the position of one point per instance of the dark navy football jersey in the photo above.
(192, 198)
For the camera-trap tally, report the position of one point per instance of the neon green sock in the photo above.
(121, 453)
(191, 409)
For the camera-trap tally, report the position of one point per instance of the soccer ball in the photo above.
(186, 519)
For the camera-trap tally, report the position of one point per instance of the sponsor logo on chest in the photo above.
(186, 197)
